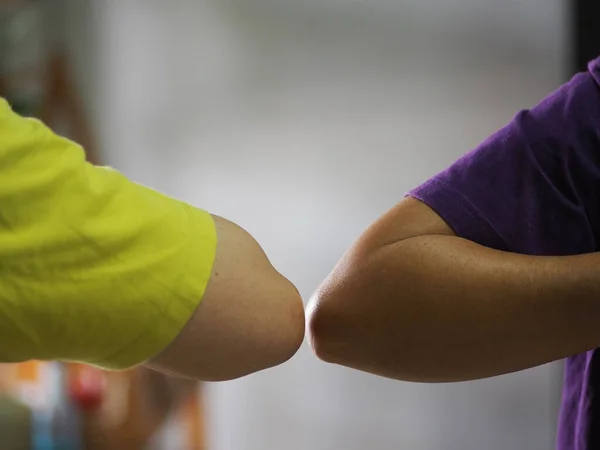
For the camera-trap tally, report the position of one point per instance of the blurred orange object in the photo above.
(28, 372)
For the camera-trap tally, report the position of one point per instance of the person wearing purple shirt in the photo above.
(490, 267)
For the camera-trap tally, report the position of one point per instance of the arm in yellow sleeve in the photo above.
(98, 269)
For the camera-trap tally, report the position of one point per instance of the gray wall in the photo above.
(303, 121)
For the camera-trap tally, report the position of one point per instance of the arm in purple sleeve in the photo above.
(487, 268)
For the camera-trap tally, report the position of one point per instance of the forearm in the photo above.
(440, 308)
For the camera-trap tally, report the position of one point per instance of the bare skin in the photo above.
(251, 317)
(412, 301)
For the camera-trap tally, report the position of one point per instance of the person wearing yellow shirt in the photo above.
(95, 268)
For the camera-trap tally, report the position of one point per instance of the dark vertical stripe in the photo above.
(585, 32)
(594, 393)
(585, 39)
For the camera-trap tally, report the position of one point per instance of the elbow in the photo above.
(329, 328)
(322, 346)
(335, 313)
(280, 339)
(223, 343)
(346, 338)
(342, 312)
(338, 317)
(350, 324)
(285, 341)
(281, 334)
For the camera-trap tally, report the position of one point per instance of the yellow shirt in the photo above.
(93, 267)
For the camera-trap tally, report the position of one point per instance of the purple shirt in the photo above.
(534, 188)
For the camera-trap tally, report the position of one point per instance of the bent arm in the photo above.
(95, 268)
(412, 301)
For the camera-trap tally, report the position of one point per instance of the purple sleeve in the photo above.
(534, 186)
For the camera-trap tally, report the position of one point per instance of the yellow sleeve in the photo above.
(93, 267)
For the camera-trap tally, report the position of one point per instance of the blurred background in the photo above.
(302, 121)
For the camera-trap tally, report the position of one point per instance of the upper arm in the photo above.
(98, 269)
(250, 317)
(533, 187)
